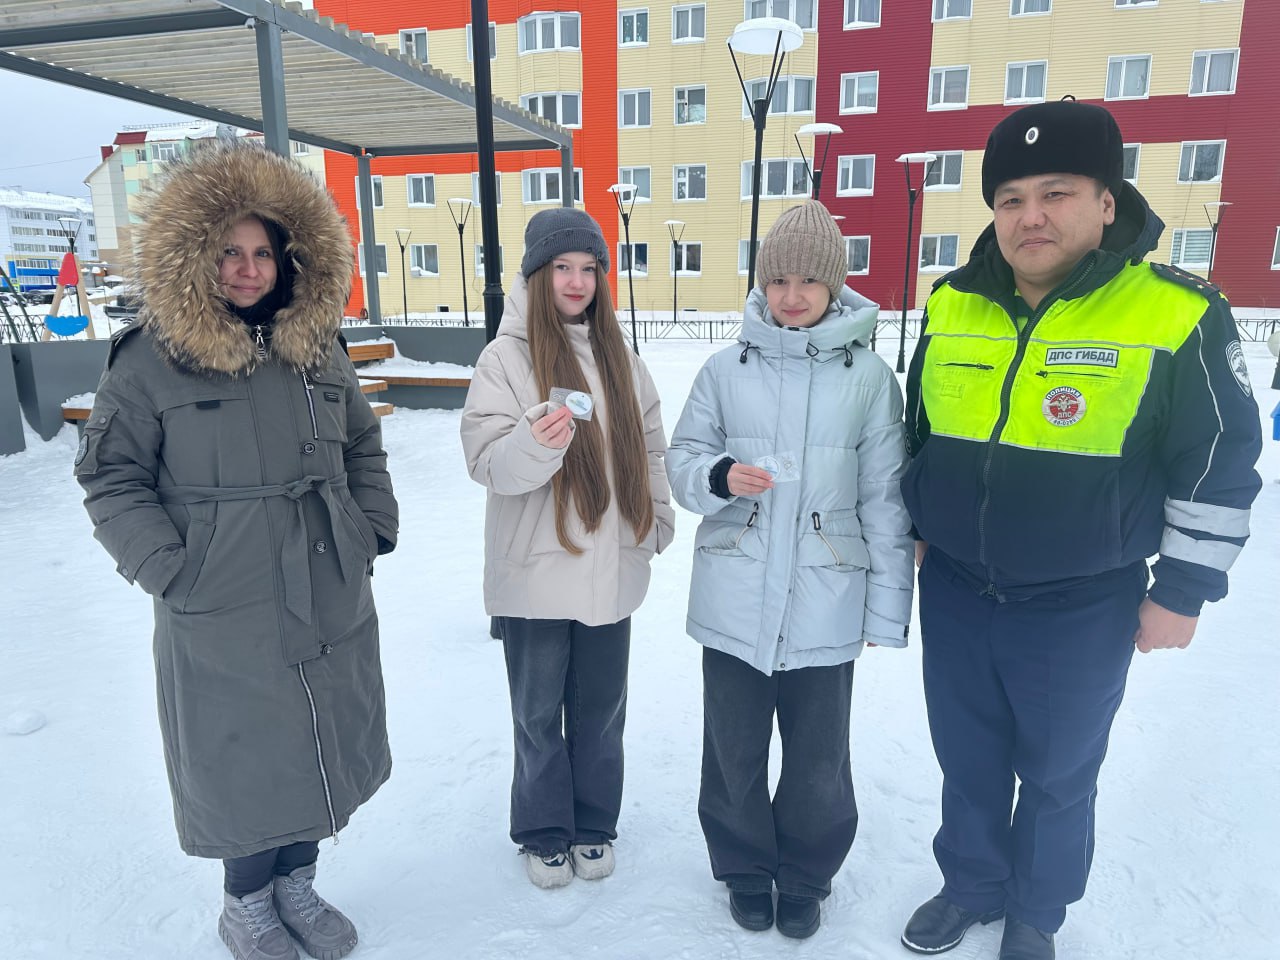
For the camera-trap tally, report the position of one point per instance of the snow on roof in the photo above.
(15, 197)
(190, 131)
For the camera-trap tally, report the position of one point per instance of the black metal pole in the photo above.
(482, 76)
(906, 276)
(759, 113)
(1213, 246)
(462, 262)
(631, 282)
(675, 276)
(404, 284)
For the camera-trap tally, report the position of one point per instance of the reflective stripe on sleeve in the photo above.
(1215, 554)
(1207, 518)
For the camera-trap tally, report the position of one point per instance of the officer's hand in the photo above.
(1160, 629)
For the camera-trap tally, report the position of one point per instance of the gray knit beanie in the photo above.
(550, 233)
(806, 241)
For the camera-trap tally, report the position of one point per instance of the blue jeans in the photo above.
(568, 684)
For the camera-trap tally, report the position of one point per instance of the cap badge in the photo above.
(1033, 134)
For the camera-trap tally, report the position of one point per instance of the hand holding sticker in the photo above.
(579, 402)
(783, 467)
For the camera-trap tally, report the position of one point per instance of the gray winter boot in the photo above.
(323, 932)
(250, 927)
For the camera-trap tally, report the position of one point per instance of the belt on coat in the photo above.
(295, 555)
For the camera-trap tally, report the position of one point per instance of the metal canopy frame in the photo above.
(272, 66)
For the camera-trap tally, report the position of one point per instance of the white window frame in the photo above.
(684, 246)
(1124, 60)
(625, 175)
(1018, 8)
(530, 101)
(942, 71)
(475, 187)
(856, 6)
(937, 266)
(743, 250)
(417, 251)
(1193, 144)
(689, 9)
(1209, 55)
(375, 187)
(686, 90)
(379, 255)
(783, 9)
(407, 40)
(1178, 247)
(1129, 4)
(847, 161)
(408, 189)
(1137, 161)
(1275, 252)
(1023, 65)
(165, 151)
(633, 13)
(793, 167)
(638, 93)
(688, 179)
(848, 241)
(479, 260)
(942, 165)
(540, 176)
(298, 148)
(560, 18)
(941, 8)
(623, 259)
(787, 105)
(493, 43)
(855, 79)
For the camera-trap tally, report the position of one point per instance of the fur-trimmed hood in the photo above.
(184, 221)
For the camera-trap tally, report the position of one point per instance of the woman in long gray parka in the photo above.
(235, 472)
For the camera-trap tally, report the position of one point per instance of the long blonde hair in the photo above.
(585, 464)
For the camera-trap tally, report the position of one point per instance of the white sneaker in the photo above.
(592, 861)
(547, 872)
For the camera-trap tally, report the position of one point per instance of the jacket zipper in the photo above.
(311, 406)
(817, 528)
(259, 342)
(975, 366)
(324, 774)
(751, 521)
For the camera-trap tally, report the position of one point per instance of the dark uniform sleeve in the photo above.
(366, 462)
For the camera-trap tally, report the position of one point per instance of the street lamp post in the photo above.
(460, 221)
(768, 36)
(818, 130)
(676, 229)
(1213, 212)
(907, 159)
(70, 228)
(402, 237)
(624, 195)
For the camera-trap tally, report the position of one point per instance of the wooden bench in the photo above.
(382, 409)
(393, 380)
(76, 414)
(364, 352)
(372, 386)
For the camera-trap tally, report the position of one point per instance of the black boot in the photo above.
(754, 911)
(938, 925)
(1021, 941)
(798, 917)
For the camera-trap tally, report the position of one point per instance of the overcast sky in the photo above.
(50, 133)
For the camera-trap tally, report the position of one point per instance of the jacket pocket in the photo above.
(327, 398)
(199, 536)
(833, 540)
(364, 529)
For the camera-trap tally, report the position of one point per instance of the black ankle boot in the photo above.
(1021, 941)
(938, 925)
(754, 911)
(798, 917)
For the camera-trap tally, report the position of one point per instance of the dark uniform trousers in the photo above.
(1025, 688)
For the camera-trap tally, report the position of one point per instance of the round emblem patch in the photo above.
(1240, 369)
(1064, 406)
(1033, 134)
(82, 450)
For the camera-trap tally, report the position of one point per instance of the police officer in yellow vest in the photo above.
(1072, 411)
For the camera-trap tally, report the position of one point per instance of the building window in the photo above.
(480, 260)
(799, 12)
(857, 176)
(1213, 72)
(1191, 249)
(1201, 162)
(1128, 78)
(945, 173)
(861, 13)
(540, 32)
(424, 260)
(690, 183)
(1139, 3)
(1275, 252)
(1021, 8)
(790, 95)
(778, 178)
(691, 105)
(299, 148)
(639, 177)
(858, 252)
(860, 92)
(938, 251)
(1132, 156)
(164, 152)
(380, 255)
(952, 9)
(1025, 82)
(634, 108)
(376, 184)
(413, 43)
(744, 247)
(562, 108)
(686, 258)
(543, 185)
(640, 259)
(633, 28)
(420, 189)
(475, 187)
(689, 23)
(493, 42)
(949, 88)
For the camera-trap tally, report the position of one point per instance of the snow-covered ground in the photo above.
(1185, 866)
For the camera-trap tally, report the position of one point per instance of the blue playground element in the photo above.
(1275, 423)
(66, 326)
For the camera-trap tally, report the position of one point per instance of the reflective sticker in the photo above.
(1239, 369)
(83, 450)
(1033, 134)
(1064, 406)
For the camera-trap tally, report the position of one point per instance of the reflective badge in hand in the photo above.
(579, 403)
(782, 466)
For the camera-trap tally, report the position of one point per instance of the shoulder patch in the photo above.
(1186, 279)
(119, 338)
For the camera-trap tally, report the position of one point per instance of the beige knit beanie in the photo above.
(806, 241)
